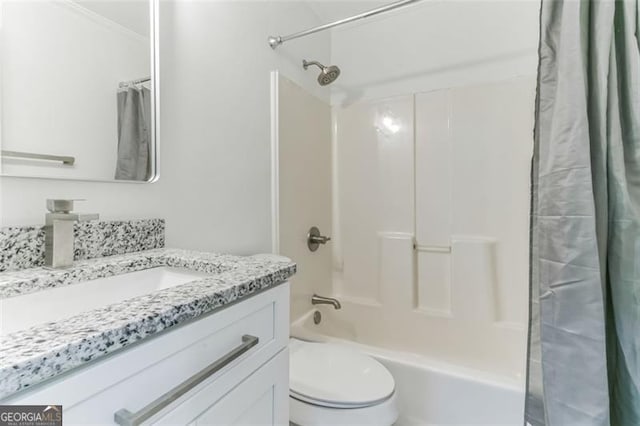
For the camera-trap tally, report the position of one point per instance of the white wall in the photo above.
(132, 14)
(215, 128)
(432, 45)
(61, 66)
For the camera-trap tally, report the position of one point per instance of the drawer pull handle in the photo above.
(125, 417)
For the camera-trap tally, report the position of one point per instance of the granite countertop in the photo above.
(33, 355)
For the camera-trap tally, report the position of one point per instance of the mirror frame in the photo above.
(154, 46)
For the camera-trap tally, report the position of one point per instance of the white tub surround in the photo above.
(443, 218)
(301, 146)
(42, 351)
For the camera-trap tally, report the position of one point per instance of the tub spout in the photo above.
(320, 300)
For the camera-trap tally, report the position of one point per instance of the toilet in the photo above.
(333, 385)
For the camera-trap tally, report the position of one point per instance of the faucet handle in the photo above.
(314, 239)
(55, 205)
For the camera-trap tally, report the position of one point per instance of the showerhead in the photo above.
(327, 74)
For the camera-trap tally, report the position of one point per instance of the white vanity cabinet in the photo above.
(229, 367)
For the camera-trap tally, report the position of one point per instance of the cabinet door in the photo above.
(260, 399)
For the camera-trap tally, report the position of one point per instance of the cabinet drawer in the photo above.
(260, 399)
(136, 376)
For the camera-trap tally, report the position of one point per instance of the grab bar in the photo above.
(32, 156)
(125, 417)
(432, 249)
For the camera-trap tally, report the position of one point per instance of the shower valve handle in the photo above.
(314, 239)
(320, 239)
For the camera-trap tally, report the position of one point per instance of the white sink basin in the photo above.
(18, 313)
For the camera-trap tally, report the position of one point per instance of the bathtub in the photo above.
(435, 393)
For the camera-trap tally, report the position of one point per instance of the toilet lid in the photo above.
(335, 376)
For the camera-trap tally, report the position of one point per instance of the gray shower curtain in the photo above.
(134, 134)
(584, 344)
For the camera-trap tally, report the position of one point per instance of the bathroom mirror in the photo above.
(79, 89)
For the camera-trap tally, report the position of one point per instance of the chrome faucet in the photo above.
(320, 300)
(58, 231)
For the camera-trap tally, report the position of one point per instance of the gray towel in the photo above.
(134, 134)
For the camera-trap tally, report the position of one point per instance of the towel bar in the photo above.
(32, 156)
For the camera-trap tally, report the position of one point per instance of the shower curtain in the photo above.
(134, 134)
(584, 340)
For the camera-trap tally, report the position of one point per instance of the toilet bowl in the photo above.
(333, 385)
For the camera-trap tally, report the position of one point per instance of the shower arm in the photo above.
(305, 64)
(275, 41)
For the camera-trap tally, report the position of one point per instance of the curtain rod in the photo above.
(275, 41)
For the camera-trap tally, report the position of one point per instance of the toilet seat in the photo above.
(333, 376)
(337, 386)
